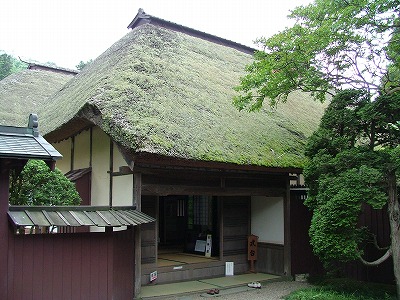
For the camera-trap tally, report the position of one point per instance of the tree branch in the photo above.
(396, 89)
(375, 242)
(378, 261)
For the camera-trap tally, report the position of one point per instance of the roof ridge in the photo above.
(144, 18)
(46, 67)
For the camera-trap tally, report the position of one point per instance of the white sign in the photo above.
(200, 246)
(153, 276)
(229, 268)
(208, 246)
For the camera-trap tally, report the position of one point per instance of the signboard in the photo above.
(252, 242)
(200, 246)
(208, 245)
(153, 276)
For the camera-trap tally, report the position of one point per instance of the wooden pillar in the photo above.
(71, 163)
(287, 252)
(157, 226)
(4, 232)
(111, 170)
(221, 227)
(137, 201)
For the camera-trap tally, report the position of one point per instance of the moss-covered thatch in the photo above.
(26, 92)
(164, 92)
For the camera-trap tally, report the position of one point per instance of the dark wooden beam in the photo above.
(90, 146)
(287, 235)
(165, 190)
(137, 201)
(111, 167)
(72, 153)
(149, 160)
(4, 231)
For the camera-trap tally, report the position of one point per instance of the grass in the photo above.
(345, 289)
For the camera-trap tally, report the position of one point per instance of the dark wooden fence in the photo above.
(377, 221)
(70, 266)
(304, 261)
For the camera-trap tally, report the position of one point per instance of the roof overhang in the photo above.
(26, 143)
(77, 216)
(74, 175)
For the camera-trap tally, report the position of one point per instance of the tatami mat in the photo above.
(184, 258)
(167, 263)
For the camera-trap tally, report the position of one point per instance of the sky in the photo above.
(67, 32)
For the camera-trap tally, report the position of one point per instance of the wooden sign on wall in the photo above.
(252, 242)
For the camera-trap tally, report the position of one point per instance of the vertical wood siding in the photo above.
(303, 259)
(270, 258)
(236, 220)
(70, 266)
(377, 221)
(149, 231)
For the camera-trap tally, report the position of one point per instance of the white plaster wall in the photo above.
(118, 159)
(267, 219)
(82, 150)
(64, 147)
(100, 166)
(122, 190)
(122, 185)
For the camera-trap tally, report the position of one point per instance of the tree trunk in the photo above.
(394, 219)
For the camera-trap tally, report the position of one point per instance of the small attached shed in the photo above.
(38, 264)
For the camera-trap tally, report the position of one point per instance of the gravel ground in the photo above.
(269, 291)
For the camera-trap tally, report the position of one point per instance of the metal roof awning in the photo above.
(76, 216)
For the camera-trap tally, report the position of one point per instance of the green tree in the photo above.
(334, 45)
(10, 65)
(6, 65)
(337, 45)
(38, 185)
(83, 64)
(354, 160)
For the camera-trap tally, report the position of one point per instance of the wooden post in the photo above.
(137, 201)
(4, 231)
(111, 170)
(287, 251)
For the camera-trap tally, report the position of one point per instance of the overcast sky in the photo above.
(68, 31)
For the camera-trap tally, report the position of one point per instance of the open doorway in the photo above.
(185, 222)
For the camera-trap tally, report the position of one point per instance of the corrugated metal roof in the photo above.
(76, 216)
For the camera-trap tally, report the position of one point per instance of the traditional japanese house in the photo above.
(151, 123)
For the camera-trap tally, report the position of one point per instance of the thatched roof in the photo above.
(25, 92)
(164, 92)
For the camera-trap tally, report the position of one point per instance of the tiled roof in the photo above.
(25, 142)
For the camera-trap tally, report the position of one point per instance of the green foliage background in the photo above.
(351, 155)
(38, 185)
(10, 65)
